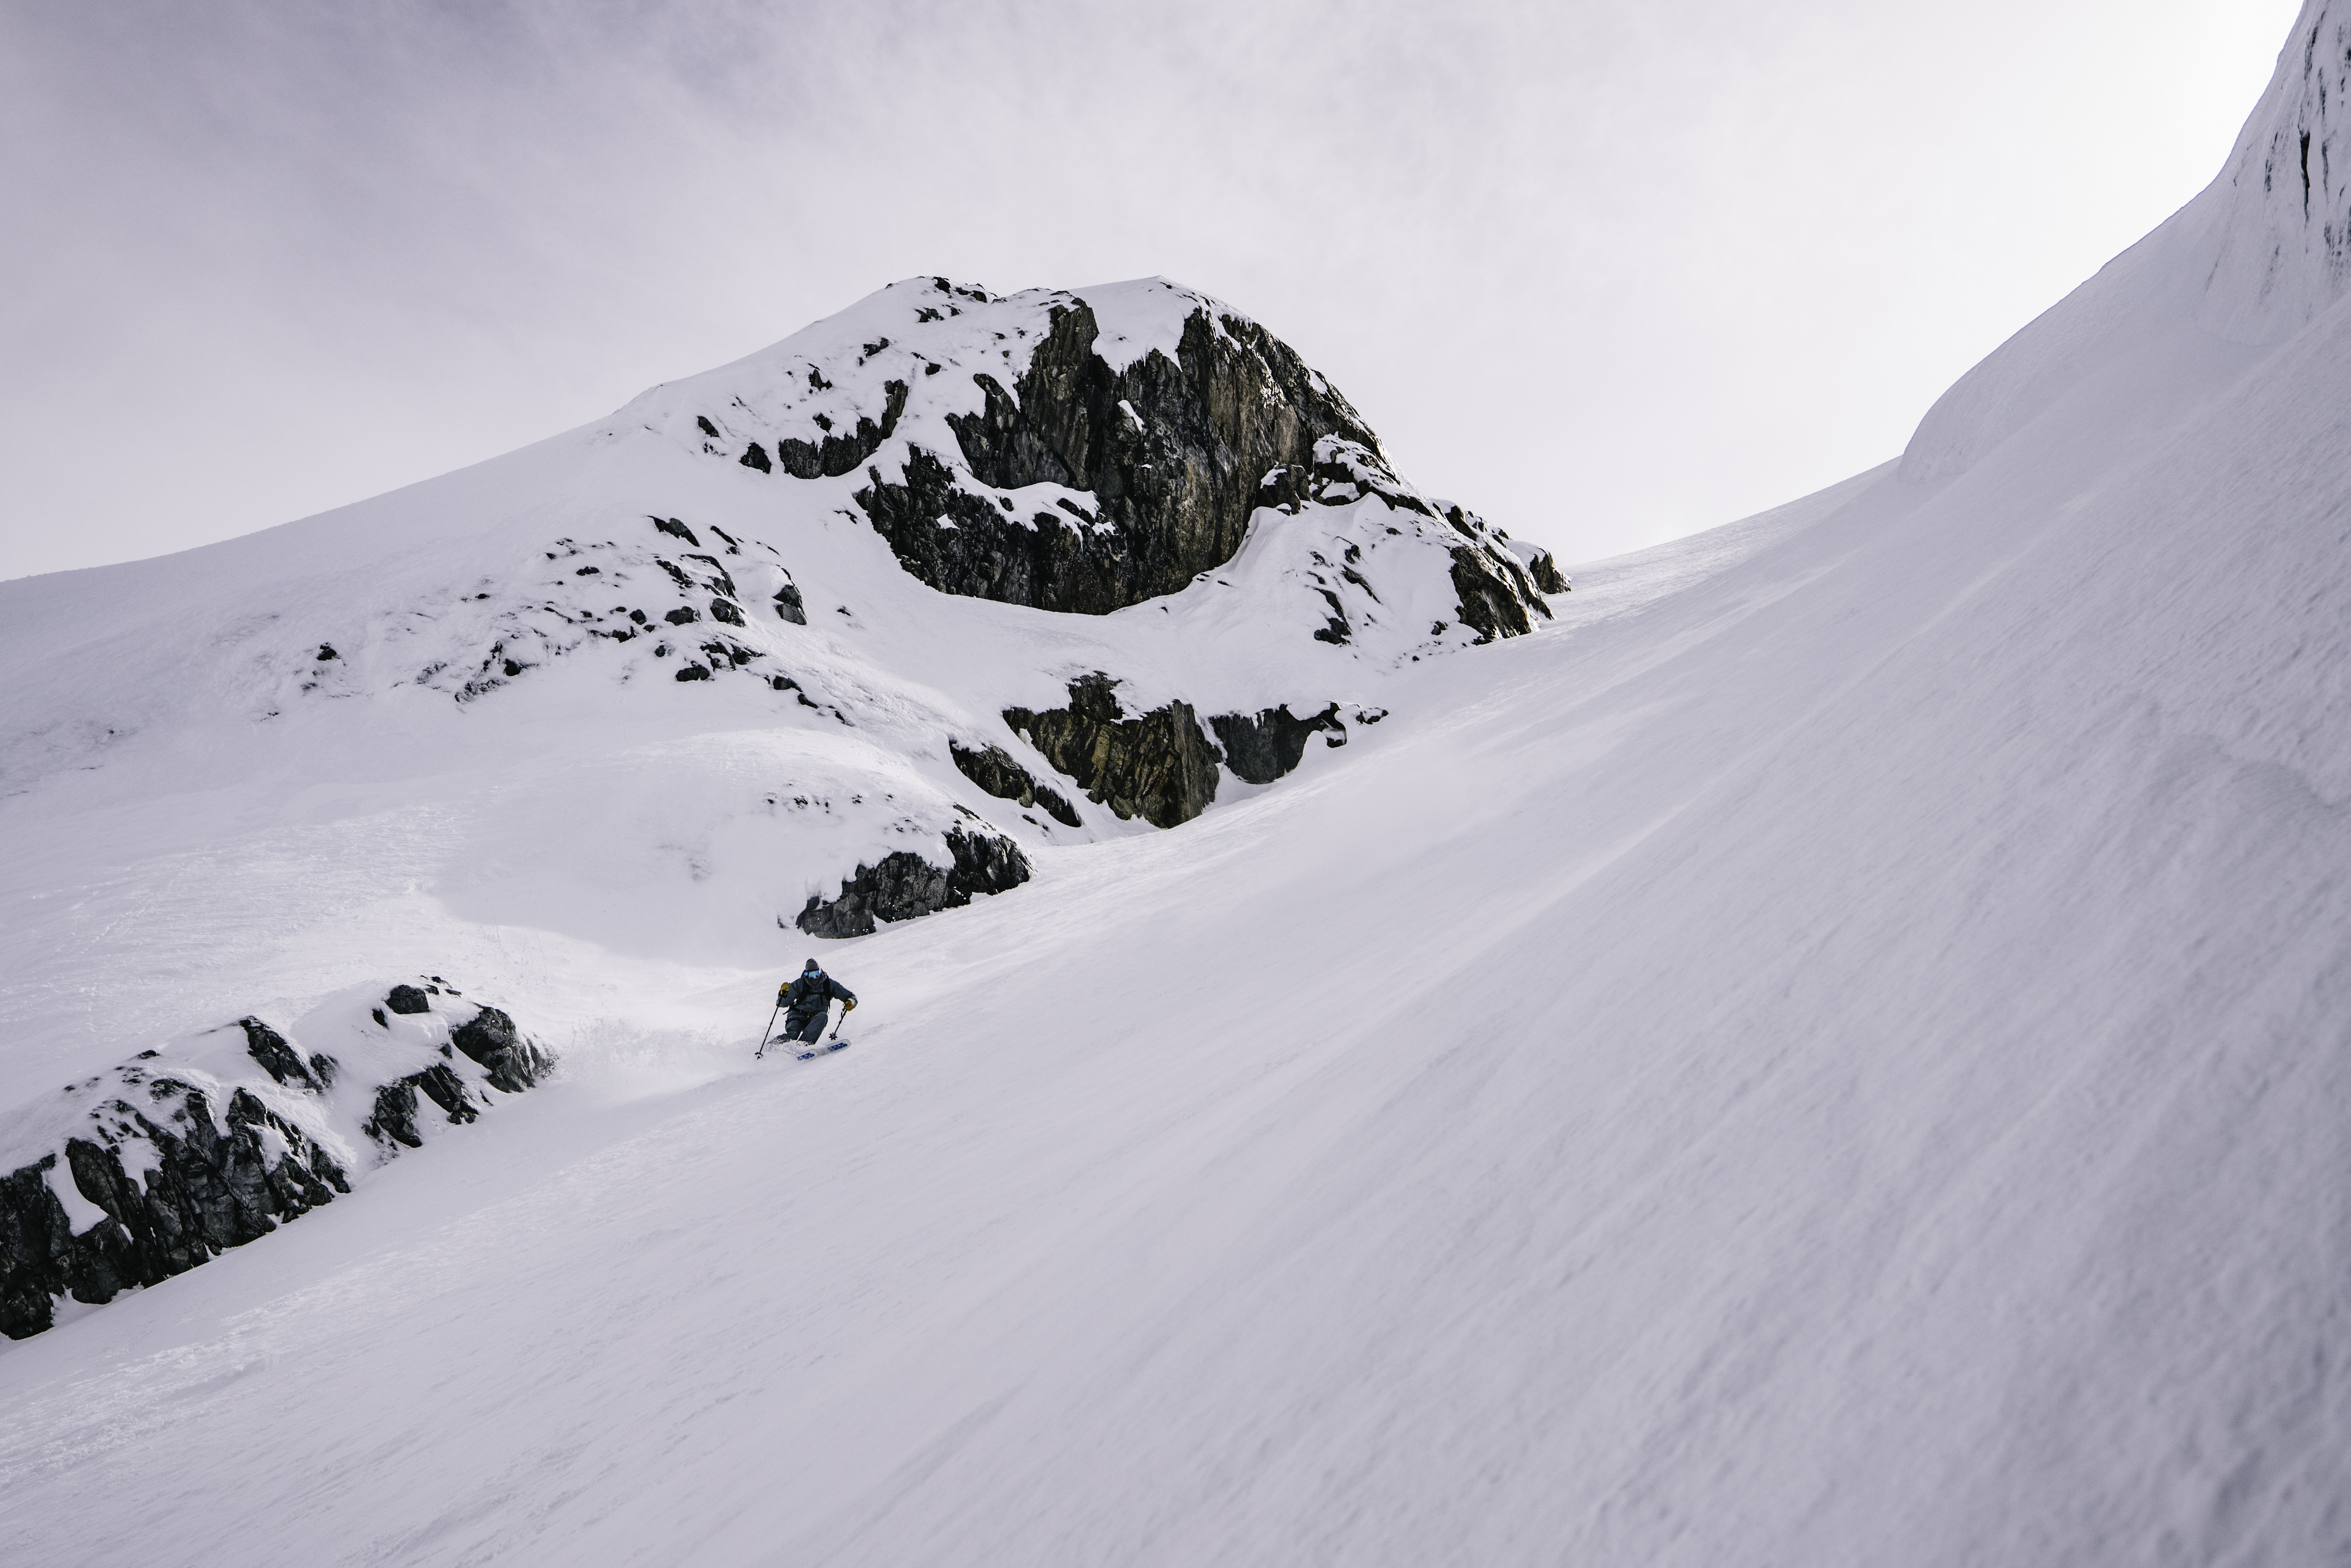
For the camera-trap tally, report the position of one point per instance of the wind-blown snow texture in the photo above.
(1838, 1053)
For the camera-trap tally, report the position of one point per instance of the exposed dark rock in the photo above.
(692, 673)
(278, 1059)
(1263, 746)
(1159, 766)
(789, 606)
(682, 614)
(905, 886)
(1547, 576)
(994, 769)
(671, 526)
(754, 456)
(491, 1039)
(210, 1190)
(720, 581)
(1335, 629)
(707, 428)
(838, 454)
(395, 1106)
(327, 651)
(1345, 469)
(206, 1188)
(725, 610)
(1487, 602)
(1175, 483)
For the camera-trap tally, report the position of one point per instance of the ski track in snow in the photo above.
(1838, 1052)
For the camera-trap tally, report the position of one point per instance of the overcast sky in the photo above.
(1608, 271)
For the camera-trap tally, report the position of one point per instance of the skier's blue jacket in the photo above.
(813, 994)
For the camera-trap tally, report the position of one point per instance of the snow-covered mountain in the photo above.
(837, 635)
(2262, 252)
(1833, 1051)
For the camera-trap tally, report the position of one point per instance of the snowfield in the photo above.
(1836, 1050)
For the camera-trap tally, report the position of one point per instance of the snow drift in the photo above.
(1836, 1052)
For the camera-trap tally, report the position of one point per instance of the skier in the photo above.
(807, 1000)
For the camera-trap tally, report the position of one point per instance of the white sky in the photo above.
(1608, 271)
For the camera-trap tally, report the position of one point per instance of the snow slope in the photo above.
(1839, 1052)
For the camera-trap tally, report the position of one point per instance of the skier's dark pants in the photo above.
(805, 1030)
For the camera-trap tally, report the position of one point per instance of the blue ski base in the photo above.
(828, 1046)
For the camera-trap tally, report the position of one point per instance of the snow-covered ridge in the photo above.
(2257, 255)
(1079, 451)
(645, 565)
(2283, 237)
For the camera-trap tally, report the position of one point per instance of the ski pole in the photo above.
(836, 1028)
(765, 1032)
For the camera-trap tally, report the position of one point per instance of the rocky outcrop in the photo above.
(1263, 746)
(1497, 590)
(993, 770)
(905, 886)
(1159, 766)
(513, 1062)
(394, 1117)
(278, 1057)
(1545, 571)
(838, 454)
(209, 1185)
(1174, 453)
(161, 1161)
(1488, 601)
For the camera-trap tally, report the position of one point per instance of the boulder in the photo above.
(491, 1039)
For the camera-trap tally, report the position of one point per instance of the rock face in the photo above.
(163, 1161)
(838, 454)
(394, 1119)
(1488, 600)
(1174, 453)
(904, 886)
(1159, 766)
(993, 770)
(490, 1037)
(211, 1185)
(1263, 746)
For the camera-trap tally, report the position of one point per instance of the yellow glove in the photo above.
(849, 1006)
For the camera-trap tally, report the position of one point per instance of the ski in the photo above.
(827, 1047)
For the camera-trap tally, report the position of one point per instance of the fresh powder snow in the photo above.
(1835, 1050)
